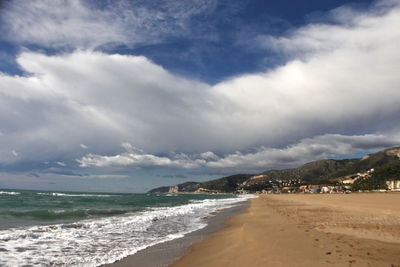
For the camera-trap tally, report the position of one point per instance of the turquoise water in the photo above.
(88, 229)
(22, 208)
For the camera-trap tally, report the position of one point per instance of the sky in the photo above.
(125, 96)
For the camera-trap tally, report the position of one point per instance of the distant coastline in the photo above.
(378, 171)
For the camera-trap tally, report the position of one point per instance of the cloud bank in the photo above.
(338, 93)
(308, 149)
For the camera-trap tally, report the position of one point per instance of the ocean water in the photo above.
(89, 229)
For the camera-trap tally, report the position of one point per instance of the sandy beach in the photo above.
(163, 254)
(359, 229)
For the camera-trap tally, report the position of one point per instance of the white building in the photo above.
(393, 185)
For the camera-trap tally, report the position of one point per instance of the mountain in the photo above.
(317, 172)
(222, 185)
(323, 170)
(185, 187)
(226, 184)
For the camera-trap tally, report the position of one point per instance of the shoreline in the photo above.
(360, 229)
(164, 254)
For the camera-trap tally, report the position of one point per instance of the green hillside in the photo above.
(386, 164)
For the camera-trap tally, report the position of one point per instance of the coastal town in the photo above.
(338, 185)
(375, 172)
(260, 184)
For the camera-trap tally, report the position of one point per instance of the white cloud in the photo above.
(350, 27)
(62, 164)
(350, 89)
(208, 155)
(139, 160)
(308, 149)
(96, 176)
(15, 154)
(340, 78)
(50, 110)
(85, 24)
(83, 146)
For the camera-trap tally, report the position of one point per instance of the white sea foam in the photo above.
(9, 193)
(105, 240)
(72, 195)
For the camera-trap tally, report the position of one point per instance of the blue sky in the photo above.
(129, 95)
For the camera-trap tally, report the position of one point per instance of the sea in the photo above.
(41, 228)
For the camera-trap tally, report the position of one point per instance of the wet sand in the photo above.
(164, 254)
(361, 229)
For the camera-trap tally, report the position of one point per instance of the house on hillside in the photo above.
(289, 189)
(393, 185)
(303, 188)
(173, 189)
(350, 180)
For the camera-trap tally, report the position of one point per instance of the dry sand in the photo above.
(360, 229)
